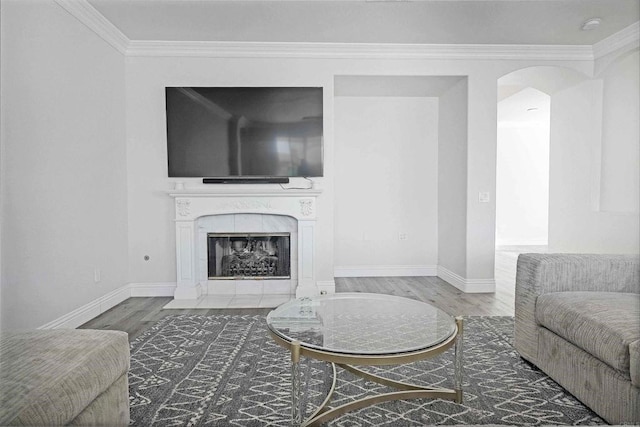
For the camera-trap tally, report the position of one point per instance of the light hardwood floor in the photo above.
(137, 314)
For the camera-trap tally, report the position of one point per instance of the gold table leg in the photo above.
(296, 386)
(407, 390)
(457, 361)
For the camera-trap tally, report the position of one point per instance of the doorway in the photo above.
(522, 179)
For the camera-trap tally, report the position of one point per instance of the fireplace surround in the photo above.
(201, 212)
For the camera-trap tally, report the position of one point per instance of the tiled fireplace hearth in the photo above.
(253, 220)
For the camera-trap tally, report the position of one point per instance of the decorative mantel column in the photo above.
(192, 204)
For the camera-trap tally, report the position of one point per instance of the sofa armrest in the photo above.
(634, 362)
(539, 274)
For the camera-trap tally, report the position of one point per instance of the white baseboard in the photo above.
(468, 286)
(89, 311)
(328, 286)
(160, 289)
(98, 306)
(465, 285)
(385, 271)
(517, 242)
(93, 309)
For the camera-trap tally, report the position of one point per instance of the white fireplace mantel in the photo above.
(192, 204)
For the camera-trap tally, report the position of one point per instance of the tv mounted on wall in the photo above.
(244, 132)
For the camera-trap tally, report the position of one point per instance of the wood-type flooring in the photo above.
(136, 314)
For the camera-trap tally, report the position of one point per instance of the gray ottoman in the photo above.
(58, 377)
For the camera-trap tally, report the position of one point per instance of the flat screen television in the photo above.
(223, 132)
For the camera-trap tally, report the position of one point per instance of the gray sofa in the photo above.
(60, 377)
(578, 320)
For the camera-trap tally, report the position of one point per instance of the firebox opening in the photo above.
(249, 255)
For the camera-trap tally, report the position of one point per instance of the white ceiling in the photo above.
(532, 22)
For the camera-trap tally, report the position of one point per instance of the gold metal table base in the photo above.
(408, 391)
(346, 361)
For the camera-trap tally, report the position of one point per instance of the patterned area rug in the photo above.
(226, 370)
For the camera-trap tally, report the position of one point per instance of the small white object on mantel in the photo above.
(197, 202)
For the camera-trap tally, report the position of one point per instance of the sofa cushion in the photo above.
(601, 323)
(48, 377)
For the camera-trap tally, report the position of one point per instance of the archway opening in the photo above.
(522, 175)
(523, 166)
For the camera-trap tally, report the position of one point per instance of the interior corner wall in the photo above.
(620, 156)
(2, 138)
(63, 169)
(576, 224)
(481, 178)
(452, 179)
(386, 162)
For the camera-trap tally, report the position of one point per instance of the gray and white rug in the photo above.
(191, 370)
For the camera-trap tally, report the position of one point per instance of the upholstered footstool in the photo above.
(58, 377)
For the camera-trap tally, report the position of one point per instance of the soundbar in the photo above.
(247, 180)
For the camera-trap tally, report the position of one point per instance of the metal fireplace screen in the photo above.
(249, 255)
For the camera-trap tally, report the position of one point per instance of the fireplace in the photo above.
(253, 217)
(248, 256)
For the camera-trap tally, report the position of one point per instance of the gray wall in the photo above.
(452, 179)
(64, 211)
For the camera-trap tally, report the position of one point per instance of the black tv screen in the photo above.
(244, 131)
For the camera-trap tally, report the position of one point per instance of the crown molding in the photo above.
(96, 22)
(626, 38)
(141, 48)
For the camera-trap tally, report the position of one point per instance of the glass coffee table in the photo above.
(348, 329)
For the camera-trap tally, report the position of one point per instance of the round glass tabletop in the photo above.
(361, 324)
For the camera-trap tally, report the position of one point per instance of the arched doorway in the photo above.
(522, 175)
(523, 163)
